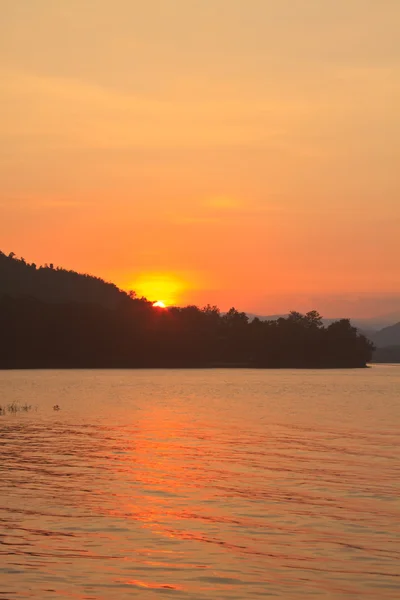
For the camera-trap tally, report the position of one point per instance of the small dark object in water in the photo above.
(56, 407)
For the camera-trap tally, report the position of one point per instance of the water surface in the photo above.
(217, 484)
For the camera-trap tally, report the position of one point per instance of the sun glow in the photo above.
(154, 286)
(159, 304)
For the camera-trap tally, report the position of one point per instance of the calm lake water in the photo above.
(217, 484)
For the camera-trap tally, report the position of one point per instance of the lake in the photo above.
(201, 484)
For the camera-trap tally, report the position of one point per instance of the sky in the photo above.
(236, 152)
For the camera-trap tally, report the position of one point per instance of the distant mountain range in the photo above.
(388, 336)
(387, 354)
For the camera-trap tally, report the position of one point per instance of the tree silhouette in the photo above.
(54, 318)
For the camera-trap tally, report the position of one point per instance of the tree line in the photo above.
(119, 330)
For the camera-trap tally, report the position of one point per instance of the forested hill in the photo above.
(19, 278)
(53, 318)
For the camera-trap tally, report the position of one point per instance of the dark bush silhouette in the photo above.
(60, 319)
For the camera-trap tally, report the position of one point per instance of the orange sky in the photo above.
(224, 151)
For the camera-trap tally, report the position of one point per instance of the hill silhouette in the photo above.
(54, 318)
(388, 336)
(19, 279)
(387, 354)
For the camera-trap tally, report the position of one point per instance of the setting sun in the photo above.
(159, 304)
(153, 286)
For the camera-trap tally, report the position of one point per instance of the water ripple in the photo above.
(200, 485)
